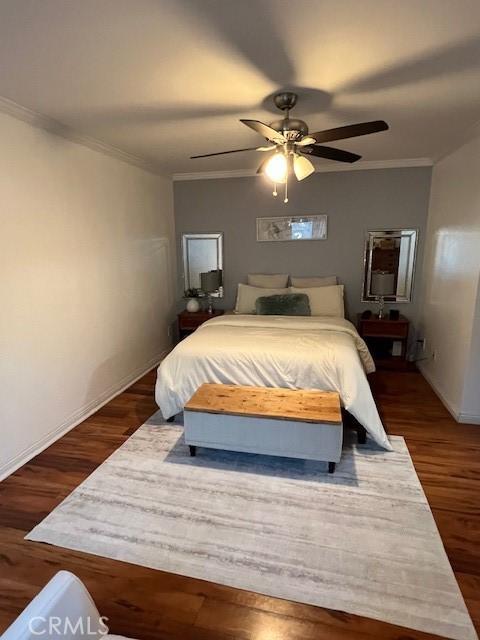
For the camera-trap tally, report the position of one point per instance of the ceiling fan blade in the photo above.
(349, 131)
(221, 153)
(265, 131)
(332, 154)
(270, 147)
(306, 140)
(302, 167)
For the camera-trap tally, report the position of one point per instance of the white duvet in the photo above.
(273, 351)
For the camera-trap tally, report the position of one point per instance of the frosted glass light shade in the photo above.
(276, 168)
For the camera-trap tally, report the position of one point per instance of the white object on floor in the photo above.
(289, 352)
(63, 609)
(362, 540)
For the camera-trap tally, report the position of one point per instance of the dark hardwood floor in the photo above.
(149, 604)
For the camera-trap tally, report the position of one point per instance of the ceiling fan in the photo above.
(291, 143)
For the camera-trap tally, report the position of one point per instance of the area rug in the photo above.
(362, 540)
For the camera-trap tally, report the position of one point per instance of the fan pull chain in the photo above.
(285, 200)
(275, 193)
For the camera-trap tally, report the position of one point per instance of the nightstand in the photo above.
(188, 322)
(386, 340)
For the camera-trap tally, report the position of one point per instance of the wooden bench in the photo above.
(278, 422)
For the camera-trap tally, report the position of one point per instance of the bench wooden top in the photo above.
(266, 402)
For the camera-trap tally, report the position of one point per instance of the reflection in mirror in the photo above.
(203, 264)
(389, 265)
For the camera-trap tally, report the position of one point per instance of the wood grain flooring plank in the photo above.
(150, 604)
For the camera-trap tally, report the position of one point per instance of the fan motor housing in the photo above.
(285, 100)
(291, 127)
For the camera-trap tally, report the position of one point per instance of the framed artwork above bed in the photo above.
(285, 228)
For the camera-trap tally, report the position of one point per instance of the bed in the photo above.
(295, 352)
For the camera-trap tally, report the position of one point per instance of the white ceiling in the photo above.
(166, 79)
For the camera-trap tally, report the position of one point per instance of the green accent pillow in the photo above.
(285, 304)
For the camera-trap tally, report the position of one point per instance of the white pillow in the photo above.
(323, 281)
(247, 296)
(324, 301)
(268, 280)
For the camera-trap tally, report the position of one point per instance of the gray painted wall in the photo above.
(354, 201)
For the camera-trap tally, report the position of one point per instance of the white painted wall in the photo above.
(471, 391)
(451, 307)
(86, 282)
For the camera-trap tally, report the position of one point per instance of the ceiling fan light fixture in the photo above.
(277, 168)
(292, 141)
(302, 167)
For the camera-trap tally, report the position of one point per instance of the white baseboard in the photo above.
(459, 416)
(468, 418)
(452, 409)
(76, 417)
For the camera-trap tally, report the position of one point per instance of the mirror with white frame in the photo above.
(389, 265)
(203, 264)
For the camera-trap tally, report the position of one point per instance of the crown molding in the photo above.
(55, 127)
(362, 165)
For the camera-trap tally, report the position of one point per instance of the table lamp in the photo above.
(382, 284)
(210, 281)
